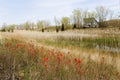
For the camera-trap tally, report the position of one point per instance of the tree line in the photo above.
(101, 14)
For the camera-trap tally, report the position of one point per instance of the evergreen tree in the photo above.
(62, 29)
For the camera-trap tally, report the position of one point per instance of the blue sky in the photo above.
(19, 11)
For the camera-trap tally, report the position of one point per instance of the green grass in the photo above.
(87, 43)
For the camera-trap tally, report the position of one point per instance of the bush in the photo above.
(57, 30)
(103, 24)
(3, 29)
(74, 26)
(42, 30)
(113, 23)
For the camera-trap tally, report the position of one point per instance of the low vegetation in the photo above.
(25, 61)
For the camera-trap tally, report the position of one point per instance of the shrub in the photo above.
(57, 28)
(74, 26)
(42, 30)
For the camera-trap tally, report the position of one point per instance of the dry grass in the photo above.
(0, 37)
(27, 61)
(85, 55)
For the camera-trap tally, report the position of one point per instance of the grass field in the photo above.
(90, 54)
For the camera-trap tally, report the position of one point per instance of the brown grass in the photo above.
(93, 54)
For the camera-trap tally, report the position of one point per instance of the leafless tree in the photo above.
(102, 13)
(77, 17)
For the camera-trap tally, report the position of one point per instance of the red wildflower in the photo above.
(45, 59)
(18, 45)
(60, 55)
(77, 61)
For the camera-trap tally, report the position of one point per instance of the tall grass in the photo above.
(25, 61)
(109, 44)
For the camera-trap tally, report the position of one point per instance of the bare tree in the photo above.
(32, 26)
(77, 17)
(57, 23)
(85, 14)
(46, 23)
(102, 14)
(111, 12)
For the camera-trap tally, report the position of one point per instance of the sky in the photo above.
(20, 11)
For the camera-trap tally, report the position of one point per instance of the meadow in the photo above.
(90, 54)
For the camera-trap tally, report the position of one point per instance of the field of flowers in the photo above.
(20, 60)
